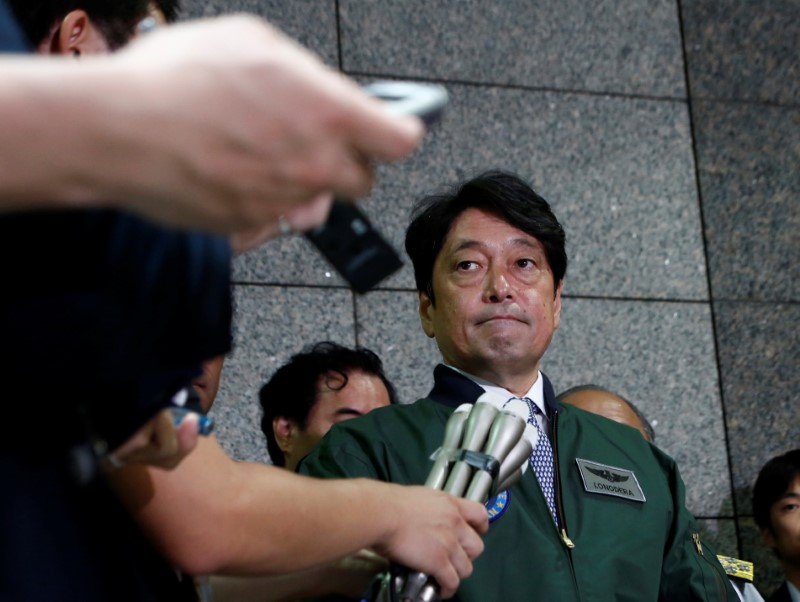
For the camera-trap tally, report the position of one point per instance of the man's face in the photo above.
(785, 520)
(496, 305)
(362, 394)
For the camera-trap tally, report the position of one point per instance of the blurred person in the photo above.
(313, 391)
(95, 346)
(599, 400)
(111, 314)
(601, 515)
(776, 509)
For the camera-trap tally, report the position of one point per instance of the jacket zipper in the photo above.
(718, 578)
(562, 521)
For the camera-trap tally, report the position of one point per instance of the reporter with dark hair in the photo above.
(776, 508)
(315, 389)
(323, 385)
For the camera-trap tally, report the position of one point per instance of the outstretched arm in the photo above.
(224, 136)
(214, 515)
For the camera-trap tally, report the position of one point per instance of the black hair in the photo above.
(773, 482)
(498, 192)
(648, 428)
(292, 391)
(116, 19)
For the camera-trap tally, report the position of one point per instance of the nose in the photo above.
(497, 287)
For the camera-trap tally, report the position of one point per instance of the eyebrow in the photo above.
(470, 243)
(347, 412)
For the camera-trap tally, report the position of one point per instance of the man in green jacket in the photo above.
(601, 515)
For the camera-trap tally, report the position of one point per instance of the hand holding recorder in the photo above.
(485, 451)
(348, 241)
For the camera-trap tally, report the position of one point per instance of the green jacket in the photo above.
(624, 549)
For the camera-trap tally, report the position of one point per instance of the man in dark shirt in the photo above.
(109, 314)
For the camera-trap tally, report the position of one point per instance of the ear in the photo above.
(426, 312)
(284, 429)
(77, 35)
(557, 306)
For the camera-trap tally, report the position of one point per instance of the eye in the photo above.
(526, 262)
(466, 266)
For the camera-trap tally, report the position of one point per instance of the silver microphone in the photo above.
(518, 454)
(453, 432)
(475, 431)
(452, 438)
(512, 479)
(503, 436)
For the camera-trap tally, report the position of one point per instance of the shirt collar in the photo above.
(451, 388)
(536, 392)
(794, 593)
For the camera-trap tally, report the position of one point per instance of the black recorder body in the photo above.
(348, 240)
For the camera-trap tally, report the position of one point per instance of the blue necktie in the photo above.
(542, 459)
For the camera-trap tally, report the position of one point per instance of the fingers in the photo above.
(306, 217)
(187, 435)
(470, 545)
(440, 538)
(298, 219)
(372, 129)
(475, 515)
(448, 580)
(386, 137)
(170, 444)
(460, 568)
(294, 129)
(159, 442)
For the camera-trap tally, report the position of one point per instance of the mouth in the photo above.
(501, 318)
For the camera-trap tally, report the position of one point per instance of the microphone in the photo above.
(453, 432)
(477, 428)
(516, 458)
(506, 430)
(485, 449)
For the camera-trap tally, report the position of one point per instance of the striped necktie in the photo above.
(542, 459)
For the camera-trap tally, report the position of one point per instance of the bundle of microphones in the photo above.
(485, 451)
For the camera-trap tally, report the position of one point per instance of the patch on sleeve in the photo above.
(497, 505)
(610, 480)
(741, 569)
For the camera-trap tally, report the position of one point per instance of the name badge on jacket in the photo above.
(610, 480)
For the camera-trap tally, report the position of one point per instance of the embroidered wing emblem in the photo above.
(608, 475)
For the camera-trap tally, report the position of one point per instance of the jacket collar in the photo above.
(452, 388)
